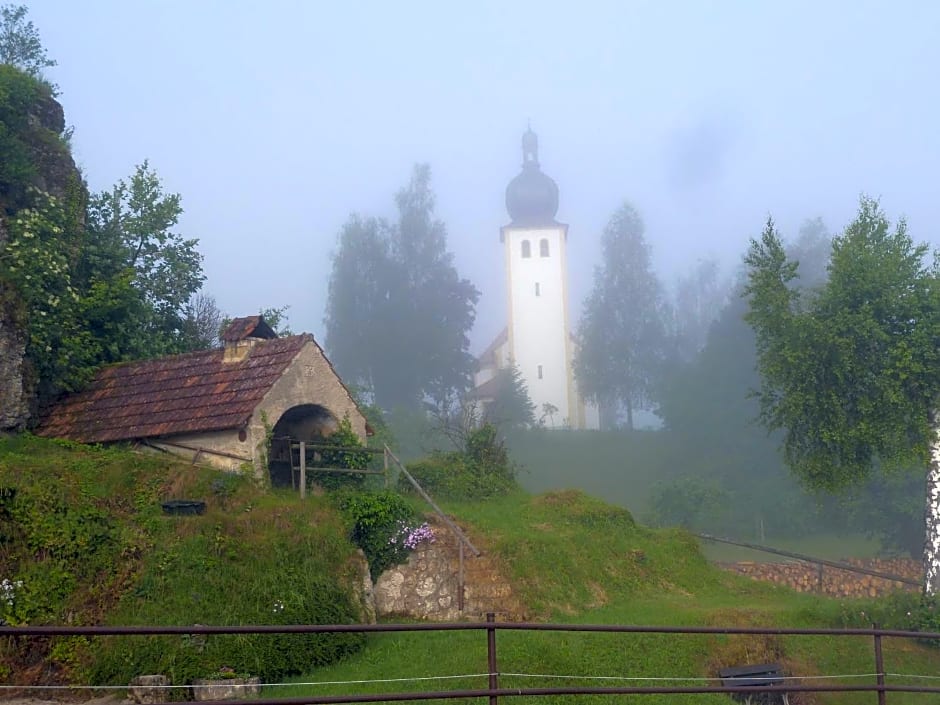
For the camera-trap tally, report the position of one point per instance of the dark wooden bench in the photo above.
(752, 676)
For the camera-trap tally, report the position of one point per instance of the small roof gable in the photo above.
(190, 393)
(247, 327)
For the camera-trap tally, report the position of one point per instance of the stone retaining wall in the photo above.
(805, 577)
(427, 585)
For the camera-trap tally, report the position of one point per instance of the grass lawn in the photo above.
(574, 559)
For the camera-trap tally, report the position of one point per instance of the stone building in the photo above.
(215, 406)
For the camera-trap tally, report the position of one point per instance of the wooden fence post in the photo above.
(303, 470)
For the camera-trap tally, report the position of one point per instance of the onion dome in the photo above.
(531, 197)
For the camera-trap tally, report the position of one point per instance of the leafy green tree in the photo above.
(850, 375)
(130, 232)
(622, 333)
(398, 314)
(19, 42)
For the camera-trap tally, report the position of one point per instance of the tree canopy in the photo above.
(398, 313)
(850, 372)
(20, 45)
(622, 333)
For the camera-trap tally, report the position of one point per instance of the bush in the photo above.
(481, 470)
(380, 524)
(694, 503)
(305, 599)
(345, 437)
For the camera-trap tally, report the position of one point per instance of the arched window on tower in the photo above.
(526, 248)
(543, 248)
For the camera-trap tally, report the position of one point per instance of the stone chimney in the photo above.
(242, 334)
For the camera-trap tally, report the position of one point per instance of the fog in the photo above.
(277, 121)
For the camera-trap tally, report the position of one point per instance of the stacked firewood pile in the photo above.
(810, 577)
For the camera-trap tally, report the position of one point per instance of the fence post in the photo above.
(491, 655)
(879, 667)
(303, 470)
(460, 579)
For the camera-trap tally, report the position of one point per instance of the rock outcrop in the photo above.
(42, 134)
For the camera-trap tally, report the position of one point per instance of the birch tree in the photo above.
(851, 372)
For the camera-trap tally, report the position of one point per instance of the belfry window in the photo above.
(538, 291)
(526, 248)
(540, 372)
(543, 248)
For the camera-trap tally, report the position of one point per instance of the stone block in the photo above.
(145, 690)
(225, 688)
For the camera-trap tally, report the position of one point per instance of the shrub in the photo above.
(690, 502)
(481, 470)
(380, 525)
(345, 437)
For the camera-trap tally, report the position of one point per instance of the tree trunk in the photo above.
(932, 515)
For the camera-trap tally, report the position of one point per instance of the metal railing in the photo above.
(387, 455)
(793, 683)
(459, 535)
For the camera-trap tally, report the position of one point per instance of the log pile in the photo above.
(805, 577)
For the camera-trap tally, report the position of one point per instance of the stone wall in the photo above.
(427, 585)
(805, 577)
(14, 409)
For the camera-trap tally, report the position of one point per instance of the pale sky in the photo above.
(276, 120)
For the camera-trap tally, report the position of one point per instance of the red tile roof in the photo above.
(190, 393)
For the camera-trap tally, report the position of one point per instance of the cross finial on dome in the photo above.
(530, 147)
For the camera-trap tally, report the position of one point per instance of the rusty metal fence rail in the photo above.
(879, 688)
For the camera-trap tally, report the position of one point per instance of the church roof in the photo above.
(532, 196)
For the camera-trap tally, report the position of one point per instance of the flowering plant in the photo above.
(410, 537)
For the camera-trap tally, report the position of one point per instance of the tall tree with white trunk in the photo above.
(851, 373)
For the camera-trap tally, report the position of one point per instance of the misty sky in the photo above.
(277, 120)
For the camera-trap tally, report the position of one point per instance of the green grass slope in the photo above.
(575, 559)
(84, 541)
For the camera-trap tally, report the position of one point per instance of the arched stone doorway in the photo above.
(305, 422)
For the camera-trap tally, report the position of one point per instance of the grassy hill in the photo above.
(84, 541)
(86, 536)
(575, 559)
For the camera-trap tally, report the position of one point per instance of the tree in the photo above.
(511, 408)
(358, 308)
(19, 42)
(130, 232)
(851, 374)
(398, 314)
(700, 297)
(203, 323)
(622, 332)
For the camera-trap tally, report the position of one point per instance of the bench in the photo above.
(752, 676)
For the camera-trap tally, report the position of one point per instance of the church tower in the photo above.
(538, 335)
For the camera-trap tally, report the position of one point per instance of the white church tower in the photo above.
(538, 335)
